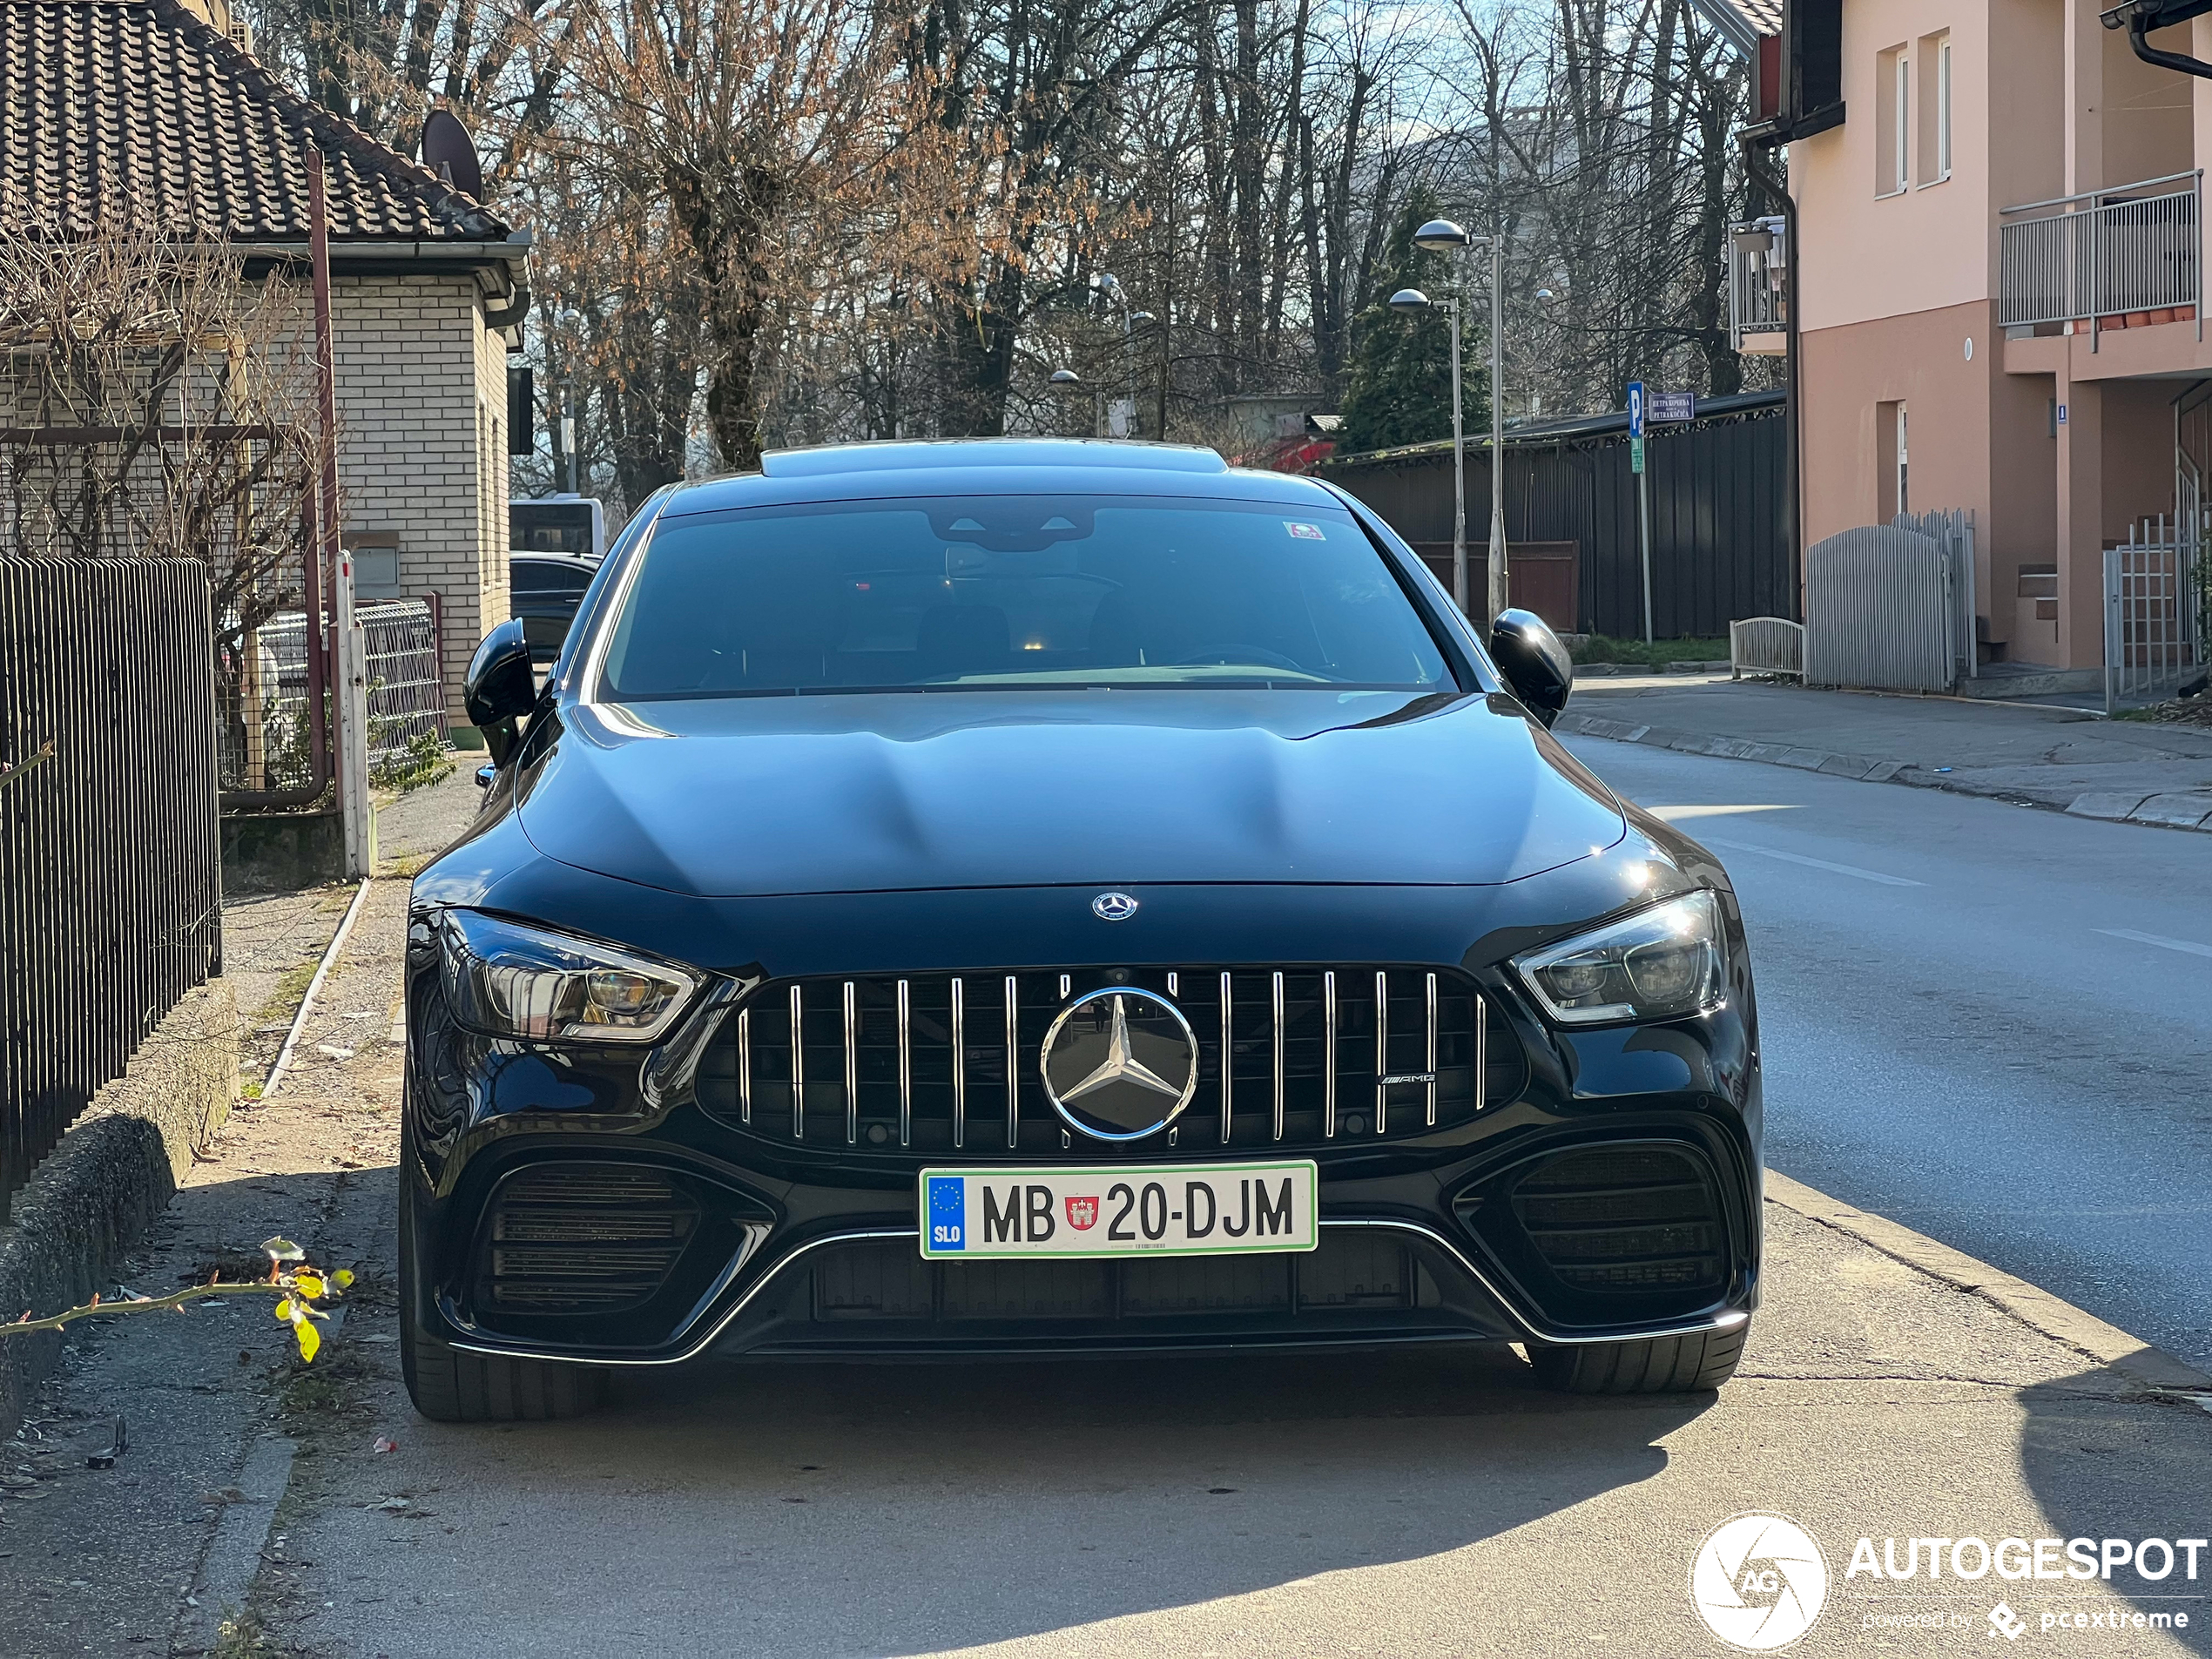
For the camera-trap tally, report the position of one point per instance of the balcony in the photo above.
(1758, 301)
(2126, 256)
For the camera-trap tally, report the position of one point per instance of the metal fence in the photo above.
(1766, 645)
(2152, 614)
(1720, 537)
(1881, 611)
(264, 736)
(2105, 254)
(110, 870)
(1953, 530)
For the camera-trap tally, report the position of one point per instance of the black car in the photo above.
(543, 590)
(1046, 898)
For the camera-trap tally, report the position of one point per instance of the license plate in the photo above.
(1181, 1210)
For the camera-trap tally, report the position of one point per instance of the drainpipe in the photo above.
(2139, 17)
(1792, 425)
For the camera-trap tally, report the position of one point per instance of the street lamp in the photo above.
(1111, 287)
(1442, 236)
(572, 324)
(1065, 379)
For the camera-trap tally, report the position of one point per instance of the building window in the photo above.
(1890, 495)
(1893, 110)
(1935, 108)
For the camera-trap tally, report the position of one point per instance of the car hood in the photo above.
(731, 797)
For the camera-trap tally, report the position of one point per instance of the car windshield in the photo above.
(985, 592)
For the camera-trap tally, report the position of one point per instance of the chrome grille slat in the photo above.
(797, 1065)
(744, 1066)
(959, 1064)
(1382, 1050)
(1276, 991)
(1013, 1063)
(852, 1069)
(1329, 1051)
(1429, 1063)
(1228, 1053)
(906, 1064)
(1481, 1052)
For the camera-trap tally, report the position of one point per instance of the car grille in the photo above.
(1348, 1273)
(587, 1238)
(942, 1063)
(1627, 1219)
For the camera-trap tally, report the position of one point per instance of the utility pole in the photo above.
(1500, 588)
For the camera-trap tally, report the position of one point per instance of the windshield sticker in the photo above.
(1305, 532)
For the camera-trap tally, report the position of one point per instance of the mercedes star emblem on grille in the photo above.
(1113, 907)
(1120, 1064)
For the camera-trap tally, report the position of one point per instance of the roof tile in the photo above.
(109, 107)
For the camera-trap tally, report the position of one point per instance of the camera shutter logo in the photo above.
(1758, 1581)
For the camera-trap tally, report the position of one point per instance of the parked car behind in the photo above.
(544, 589)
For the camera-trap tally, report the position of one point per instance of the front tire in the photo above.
(1684, 1364)
(450, 1387)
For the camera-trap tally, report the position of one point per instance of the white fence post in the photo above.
(353, 729)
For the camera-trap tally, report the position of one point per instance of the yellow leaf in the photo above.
(308, 1285)
(310, 1338)
(287, 1309)
(343, 1278)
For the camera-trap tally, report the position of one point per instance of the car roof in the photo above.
(991, 466)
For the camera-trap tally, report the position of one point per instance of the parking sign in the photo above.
(1635, 408)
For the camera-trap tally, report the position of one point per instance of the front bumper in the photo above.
(592, 1207)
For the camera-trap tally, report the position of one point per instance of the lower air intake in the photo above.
(583, 1238)
(1634, 1219)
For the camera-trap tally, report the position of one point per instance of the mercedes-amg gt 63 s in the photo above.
(1046, 898)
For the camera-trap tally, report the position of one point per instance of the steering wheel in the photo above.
(1238, 655)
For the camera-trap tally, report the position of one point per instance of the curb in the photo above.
(2110, 1346)
(113, 1173)
(2181, 809)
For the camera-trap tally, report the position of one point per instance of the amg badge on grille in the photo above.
(1113, 907)
(1120, 1064)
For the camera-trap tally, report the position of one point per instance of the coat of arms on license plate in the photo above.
(1083, 1213)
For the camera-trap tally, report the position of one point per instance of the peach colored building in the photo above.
(2000, 295)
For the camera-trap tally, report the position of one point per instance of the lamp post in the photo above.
(1066, 380)
(1111, 286)
(1441, 236)
(570, 322)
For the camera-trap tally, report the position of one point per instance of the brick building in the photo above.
(113, 107)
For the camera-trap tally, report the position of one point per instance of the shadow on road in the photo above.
(888, 1509)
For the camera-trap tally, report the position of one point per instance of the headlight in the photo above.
(1658, 964)
(509, 980)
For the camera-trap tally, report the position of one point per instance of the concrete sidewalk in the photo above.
(2061, 757)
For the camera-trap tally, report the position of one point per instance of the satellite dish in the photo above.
(449, 152)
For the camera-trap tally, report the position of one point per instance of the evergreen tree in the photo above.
(1400, 388)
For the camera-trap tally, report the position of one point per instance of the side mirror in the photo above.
(1534, 663)
(499, 688)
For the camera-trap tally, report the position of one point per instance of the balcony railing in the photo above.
(2130, 254)
(1758, 290)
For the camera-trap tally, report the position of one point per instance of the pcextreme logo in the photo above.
(1758, 1581)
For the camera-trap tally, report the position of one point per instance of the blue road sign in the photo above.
(1635, 408)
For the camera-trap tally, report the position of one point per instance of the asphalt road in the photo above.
(1990, 1022)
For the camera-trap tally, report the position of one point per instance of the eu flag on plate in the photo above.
(948, 1211)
